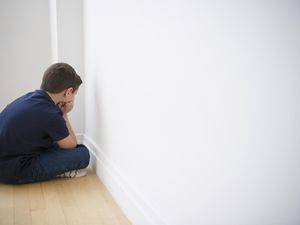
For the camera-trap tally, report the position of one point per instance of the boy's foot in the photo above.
(73, 173)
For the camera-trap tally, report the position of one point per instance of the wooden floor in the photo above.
(76, 201)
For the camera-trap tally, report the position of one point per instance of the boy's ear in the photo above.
(69, 91)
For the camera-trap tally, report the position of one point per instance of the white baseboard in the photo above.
(137, 210)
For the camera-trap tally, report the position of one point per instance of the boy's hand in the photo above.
(65, 107)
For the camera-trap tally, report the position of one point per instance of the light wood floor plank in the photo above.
(6, 205)
(6, 196)
(76, 201)
(109, 201)
(36, 197)
(65, 193)
(7, 216)
(54, 212)
(39, 217)
(22, 214)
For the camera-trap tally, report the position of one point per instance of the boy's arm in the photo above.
(70, 129)
(71, 140)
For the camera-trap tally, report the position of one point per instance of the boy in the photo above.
(37, 141)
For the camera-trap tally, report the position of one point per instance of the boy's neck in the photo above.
(56, 98)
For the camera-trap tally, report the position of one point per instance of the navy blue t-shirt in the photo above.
(28, 126)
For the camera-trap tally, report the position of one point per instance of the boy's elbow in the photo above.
(67, 143)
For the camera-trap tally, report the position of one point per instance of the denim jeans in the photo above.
(56, 161)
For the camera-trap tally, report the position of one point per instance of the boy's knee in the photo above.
(84, 154)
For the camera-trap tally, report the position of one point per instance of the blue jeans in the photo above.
(56, 161)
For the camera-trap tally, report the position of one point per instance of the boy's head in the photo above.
(60, 77)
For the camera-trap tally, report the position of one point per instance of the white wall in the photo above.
(195, 108)
(25, 50)
(70, 50)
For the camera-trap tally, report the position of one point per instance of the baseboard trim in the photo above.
(137, 210)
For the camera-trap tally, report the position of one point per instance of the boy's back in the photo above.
(37, 141)
(28, 126)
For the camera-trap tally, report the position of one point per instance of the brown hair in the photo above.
(60, 76)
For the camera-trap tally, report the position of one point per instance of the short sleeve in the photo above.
(57, 128)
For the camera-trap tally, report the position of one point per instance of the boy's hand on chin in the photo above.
(66, 107)
(61, 105)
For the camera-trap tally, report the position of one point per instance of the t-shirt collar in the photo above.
(45, 94)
